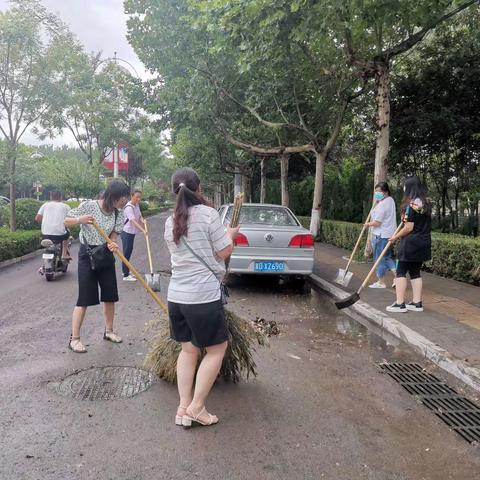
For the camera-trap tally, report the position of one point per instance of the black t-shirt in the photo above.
(417, 245)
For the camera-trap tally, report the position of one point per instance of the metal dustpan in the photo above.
(344, 276)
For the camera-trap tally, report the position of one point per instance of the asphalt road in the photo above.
(319, 408)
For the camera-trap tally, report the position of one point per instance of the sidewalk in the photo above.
(447, 331)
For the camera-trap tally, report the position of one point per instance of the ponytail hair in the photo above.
(185, 185)
(414, 189)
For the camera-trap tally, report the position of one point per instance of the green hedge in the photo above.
(16, 244)
(27, 208)
(453, 256)
(73, 203)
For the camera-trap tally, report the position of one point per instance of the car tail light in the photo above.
(302, 241)
(241, 240)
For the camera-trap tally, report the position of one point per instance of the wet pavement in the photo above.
(319, 407)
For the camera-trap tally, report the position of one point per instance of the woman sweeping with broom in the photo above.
(415, 246)
(198, 244)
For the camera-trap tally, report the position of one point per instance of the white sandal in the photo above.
(75, 345)
(112, 337)
(178, 418)
(187, 420)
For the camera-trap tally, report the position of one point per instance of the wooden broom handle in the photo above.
(375, 265)
(358, 240)
(147, 238)
(137, 275)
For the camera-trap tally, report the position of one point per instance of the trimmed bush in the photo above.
(16, 244)
(453, 256)
(73, 203)
(27, 208)
(343, 234)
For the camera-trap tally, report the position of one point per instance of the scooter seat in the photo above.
(46, 243)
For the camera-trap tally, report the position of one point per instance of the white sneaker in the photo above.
(377, 285)
(397, 308)
(415, 307)
(129, 278)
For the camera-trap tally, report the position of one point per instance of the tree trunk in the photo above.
(284, 178)
(12, 154)
(456, 216)
(444, 208)
(217, 195)
(382, 100)
(477, 221)
(320, 159)
(244, 187)
(237, 183)
(263, 181)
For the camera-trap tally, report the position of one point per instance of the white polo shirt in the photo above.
(385, 213)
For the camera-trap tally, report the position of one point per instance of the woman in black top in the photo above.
(415, 246)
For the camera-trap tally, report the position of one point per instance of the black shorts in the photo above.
(89, 280)
(57, 238)
(203, 324)
(413, 268)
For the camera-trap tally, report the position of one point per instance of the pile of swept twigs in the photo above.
(162, 357)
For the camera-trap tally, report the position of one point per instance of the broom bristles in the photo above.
(162, 357)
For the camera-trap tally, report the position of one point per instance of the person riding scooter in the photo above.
(52, 215)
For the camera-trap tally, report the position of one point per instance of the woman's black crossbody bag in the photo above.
(100, 256)
(223, 288)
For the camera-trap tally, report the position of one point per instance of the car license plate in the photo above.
(267, 266)
(47, 256)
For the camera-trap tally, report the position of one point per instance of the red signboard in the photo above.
(120, 153)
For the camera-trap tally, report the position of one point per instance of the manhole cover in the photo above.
(105, 383)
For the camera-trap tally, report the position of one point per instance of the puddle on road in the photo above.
(382, 345)
(318, 314)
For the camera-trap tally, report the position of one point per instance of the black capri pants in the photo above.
(89, 280)
(203, 324)
(413, 268)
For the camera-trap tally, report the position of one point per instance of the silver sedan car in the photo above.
(271, 241)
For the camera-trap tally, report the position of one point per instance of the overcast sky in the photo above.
(101, 26)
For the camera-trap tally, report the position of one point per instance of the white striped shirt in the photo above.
(192, 282)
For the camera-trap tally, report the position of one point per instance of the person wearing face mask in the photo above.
(383, 224)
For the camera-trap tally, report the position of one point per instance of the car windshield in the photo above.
(264, 215)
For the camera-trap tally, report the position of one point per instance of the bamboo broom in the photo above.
(238, 360)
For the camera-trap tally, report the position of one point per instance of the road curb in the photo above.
(431, 351)
(28, 256)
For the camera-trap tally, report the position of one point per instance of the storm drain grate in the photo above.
(459, 413)
(105, 383)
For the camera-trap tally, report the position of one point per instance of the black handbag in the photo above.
(100, 257)
(224, 293)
